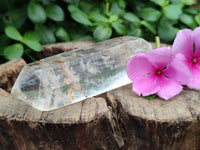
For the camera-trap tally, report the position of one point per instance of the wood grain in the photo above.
(9, 73)
(53, 49)
(116, 120)
(84, 125)
(160, 124)
(184, 106)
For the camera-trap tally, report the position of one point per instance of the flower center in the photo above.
(159, 72)
(194, 60)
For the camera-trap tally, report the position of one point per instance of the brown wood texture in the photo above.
(117, 120)
(84, 125)
(159, 124)
(53, 49)
(9, 73)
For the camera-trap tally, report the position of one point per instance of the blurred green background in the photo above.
(26, 25)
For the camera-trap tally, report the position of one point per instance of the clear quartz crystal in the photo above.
(73, 76)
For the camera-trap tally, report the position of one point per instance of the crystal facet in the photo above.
(73, 76)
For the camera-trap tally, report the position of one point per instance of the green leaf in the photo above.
(34, 45)
(188, 20)
(191, 11)
(62, 34)
(113, 18)
(36, 12)
(161, 3)
(15, 17)
(172, 11)
(166, 31)
(189, 2)
(76, 36)
(150, 14)
(81, 17)
(131, 17)
(72, 8)
(13, 51)
(148, 26)
(119, 28)
(97, 17)
(115, 9)
(121, 4)
(137, 32)
(181, 5)
(31, 35)
(54, 12)
(102, 32)
(197, 19)
(86, 6)
(46, 34)
(71, 1)
(13, 33)
(100, 7)
(151, 97)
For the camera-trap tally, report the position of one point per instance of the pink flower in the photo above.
(187, 47)
(157, 72)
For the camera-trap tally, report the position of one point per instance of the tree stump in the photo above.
(158, 124)
(84, 125)
(53, 49)
(9, 73)
(116, 120)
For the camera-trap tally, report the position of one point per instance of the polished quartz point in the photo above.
(73, 76)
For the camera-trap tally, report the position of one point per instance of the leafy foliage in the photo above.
(30, 39)
(26, 25)
(151, 97)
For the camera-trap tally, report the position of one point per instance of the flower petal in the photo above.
(198, 62)
(160, 57)
(195, 83)
(168, 88)
(196, 36)
(138, 65)
(146, 85)
(183, 43)
(186, 61)
(178, 71)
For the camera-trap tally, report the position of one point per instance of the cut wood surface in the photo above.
(120, 120)
(9, 73)
(160, 124)
(116, 120)
(84, 125)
